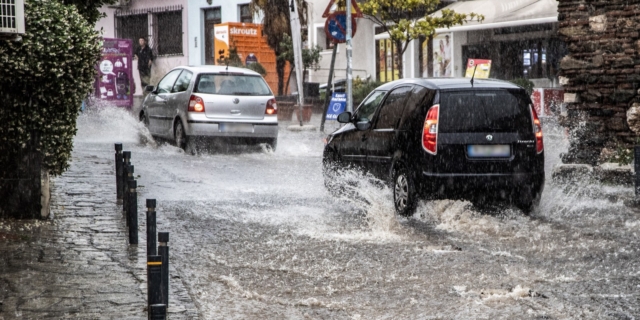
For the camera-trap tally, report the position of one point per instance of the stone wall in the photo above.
(601, 76)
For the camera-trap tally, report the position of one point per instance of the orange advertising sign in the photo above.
(251, 46)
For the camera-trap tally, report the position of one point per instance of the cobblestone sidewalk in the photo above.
(78, 264)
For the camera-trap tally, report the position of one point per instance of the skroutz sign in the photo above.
(252, 47)
(336, 25)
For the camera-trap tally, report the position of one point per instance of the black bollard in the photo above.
(154, 280)
(119, 169)
(636, 167)
(163, 251)
(132, 215)
(151, 228)
(126, 201)
(158, 312)
(126, 160)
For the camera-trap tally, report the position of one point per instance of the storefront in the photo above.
(518, 36)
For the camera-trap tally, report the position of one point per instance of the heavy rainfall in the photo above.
(259, 230)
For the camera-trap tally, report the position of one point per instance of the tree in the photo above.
(275, 24)
(407, 20)
(310, 56)
(89, 8)
(45, 78)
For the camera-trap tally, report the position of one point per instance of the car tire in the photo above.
(273, 144)
(144, 119)
(329, 173)
(183, 141)
(405, 196)
(527, 200)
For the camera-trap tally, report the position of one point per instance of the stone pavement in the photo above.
(78, 264)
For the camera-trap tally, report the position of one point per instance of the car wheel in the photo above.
(144, 119)
(182, 140)
(527, 200)
(329, 173)
(404, 193)
(273, 143)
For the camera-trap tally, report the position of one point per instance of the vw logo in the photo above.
(489, 137)
(236, 101)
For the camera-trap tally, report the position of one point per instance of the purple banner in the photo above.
(115, 78)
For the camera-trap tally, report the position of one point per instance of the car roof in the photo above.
(451, 83)
(218, 69)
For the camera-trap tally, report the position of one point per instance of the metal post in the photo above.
(158, 312)
(163, 251)
(119, 166)
(126, 158)
(636, 166)
(327, 97)
(151, 227)
(349, 60)
(125, 203)
(154, 280)
(132, 216)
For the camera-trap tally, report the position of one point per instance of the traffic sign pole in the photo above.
(329, 91)
(349, 60)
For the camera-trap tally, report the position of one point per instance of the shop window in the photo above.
(133, 27)
(245, 13)
(164, 33)
(169, 35)
(387, 60)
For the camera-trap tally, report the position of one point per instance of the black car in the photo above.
(449, 138)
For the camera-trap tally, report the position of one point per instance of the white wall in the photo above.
(162, 64)
(229, 11)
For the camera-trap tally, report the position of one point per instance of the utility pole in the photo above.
(297, 52)
(349, 62)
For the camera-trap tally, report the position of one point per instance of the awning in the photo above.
(504, 13)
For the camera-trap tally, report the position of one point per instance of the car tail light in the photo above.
(196, 104)
(537, 129)
(272, 107)
(430, 130)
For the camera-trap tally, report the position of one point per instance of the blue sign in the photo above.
(336, 27)
(337, 105)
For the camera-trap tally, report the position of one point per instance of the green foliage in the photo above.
(45, 78)
(406, 20)
(89, 8)
(526, 84)
(361, 89)
(257, 67)
(310, 57)
(232, 59)
(622, 156)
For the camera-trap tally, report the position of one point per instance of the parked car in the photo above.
(211, 101)
(444, 138)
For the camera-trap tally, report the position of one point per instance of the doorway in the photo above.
(211, 18)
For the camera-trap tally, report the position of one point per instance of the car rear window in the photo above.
(232, 84)
(484, 111)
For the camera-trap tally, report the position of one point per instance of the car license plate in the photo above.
(236, 127)
(489, 151)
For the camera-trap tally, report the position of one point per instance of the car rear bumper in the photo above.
(214, 129)
(489, 182)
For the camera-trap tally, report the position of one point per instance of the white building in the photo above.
(162, 22)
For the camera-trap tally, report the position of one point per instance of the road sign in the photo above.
(355, 10)
(336, 105)
(336, 27)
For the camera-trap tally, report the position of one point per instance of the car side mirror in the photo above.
(149, 88)
(344, 117)
(363, 125)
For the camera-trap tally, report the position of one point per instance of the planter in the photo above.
(307, 110)
(285, 111)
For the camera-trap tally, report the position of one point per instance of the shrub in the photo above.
(45, 78)
(526, 84)
(257, 67)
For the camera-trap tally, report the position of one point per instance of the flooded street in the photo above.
(255, 235)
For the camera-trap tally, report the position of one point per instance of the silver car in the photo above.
(211, 101)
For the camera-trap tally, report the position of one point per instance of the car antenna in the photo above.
(474, 74)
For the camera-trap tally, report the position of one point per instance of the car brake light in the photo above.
(196, 104)
(537, 130)
(430, 130)
(272, 107)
